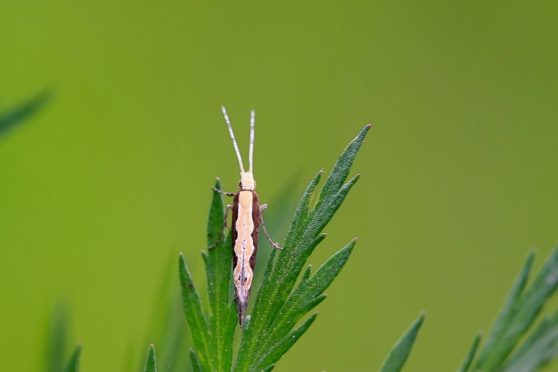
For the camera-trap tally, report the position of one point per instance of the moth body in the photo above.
(245, 223)
(246, 220)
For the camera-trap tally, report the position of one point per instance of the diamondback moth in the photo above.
(246, 220)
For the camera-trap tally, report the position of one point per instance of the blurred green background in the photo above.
(113, 178)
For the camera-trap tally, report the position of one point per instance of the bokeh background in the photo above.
(112, 179)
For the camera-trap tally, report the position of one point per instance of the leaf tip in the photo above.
(205, 256)
(246, 322)
(217, 184)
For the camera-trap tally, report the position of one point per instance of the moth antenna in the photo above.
(227, 120)
(252, 133)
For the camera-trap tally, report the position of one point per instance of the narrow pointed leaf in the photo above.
(218, 260)
(471, 354)
(539, 349)
(216, 219)
(150, 362)
(284, 344)
(500, 327)
(194, 315)
(73, 364)
(289, 269)
(196, 364)
(342, 167)
(56, 343)
(301, 213)
(16, 115)
(306, 275)
(167, 327)
(528, 304)
(325, 213)
(401, 350)
(319, 282)
(308, 294)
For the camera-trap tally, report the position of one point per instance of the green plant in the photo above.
(507, 348)
(150, 362)
(73, 364)
(503, 349)
(281, 302)
(288, 293)
(400, 352)
(56, 345)
(11, 118)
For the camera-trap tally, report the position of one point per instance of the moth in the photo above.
(246, 221)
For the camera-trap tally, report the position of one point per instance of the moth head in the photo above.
(247, 182)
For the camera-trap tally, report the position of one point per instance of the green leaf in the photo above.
(342, 167)
(308, 294)
(216, 219)
(539, 349)
(56, 343)
(301, 213)
(284, 268)
(283, 345)
(519, 312)
(150, 362)
(166, 326)
(218, 260)
(506, 315)
(73, 364)
(16, 115)
(292, 259)
(196, 364)
(401, 350)
(471, 354)
(306, 274)
(194, 315)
